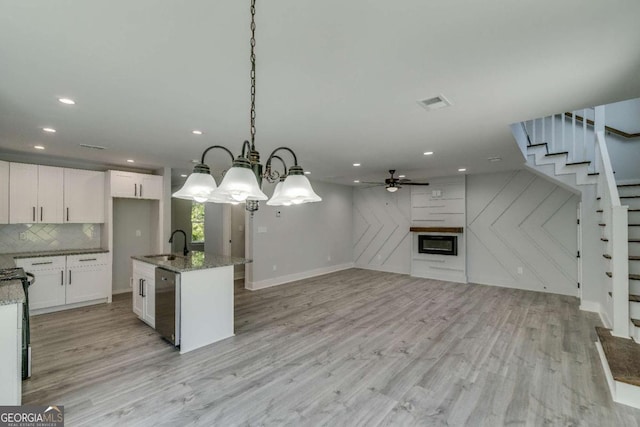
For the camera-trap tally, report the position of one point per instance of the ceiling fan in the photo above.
(392, 183)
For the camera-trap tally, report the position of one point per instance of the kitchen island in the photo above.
(195, 290)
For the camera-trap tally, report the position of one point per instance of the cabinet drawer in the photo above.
(86, 260)
(41, 263)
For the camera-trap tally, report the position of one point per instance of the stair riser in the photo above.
(636, 334)
(634, 232)
(634, 287)
(634, 268)
(629, 191)
(634, 310)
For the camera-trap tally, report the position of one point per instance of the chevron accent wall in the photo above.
(381, 221)
(521, 233)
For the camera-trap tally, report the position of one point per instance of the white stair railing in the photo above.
(571, 132)
(617, 232)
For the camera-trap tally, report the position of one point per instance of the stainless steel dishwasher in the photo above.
(168, 305)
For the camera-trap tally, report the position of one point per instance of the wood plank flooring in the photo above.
(350, 348)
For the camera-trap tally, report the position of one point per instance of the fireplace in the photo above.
(441, 245)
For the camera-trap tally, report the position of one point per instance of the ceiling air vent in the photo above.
(93, 147)
(435, 103)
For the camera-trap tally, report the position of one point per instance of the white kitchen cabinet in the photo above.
(87, 277)
(135, 185)
(4, 192)
(35, 194)
(66, 280)
(144, 292)
(84, 196)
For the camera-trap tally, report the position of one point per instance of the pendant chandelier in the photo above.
(242, 182)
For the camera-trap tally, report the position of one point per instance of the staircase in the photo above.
(630, 195)
(576, 157)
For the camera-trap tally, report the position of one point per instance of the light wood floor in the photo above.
(351, 348)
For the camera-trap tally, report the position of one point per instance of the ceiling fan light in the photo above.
(297, 188)
(392, 188)
(239, 183)
(199, 185)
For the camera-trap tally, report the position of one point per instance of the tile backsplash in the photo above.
(45, 237)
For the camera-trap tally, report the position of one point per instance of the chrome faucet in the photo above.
(185, 250)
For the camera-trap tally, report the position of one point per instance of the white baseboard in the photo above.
(267, 283)
(451, 277)
(502, 283)
(121, 291)
(67, 306)
(382, 268)
(596, 307)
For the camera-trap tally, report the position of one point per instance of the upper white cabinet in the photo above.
(51, 195)
(4, 192)
(83, 196)
(35, 194)
(135, 185)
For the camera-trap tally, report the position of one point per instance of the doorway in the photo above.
(234, 235)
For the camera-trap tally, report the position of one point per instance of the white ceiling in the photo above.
(337, 80)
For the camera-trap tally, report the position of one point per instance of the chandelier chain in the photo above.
(253, 74)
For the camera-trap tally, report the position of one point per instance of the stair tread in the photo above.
(623, 356)
(634, 298)
(559, 153)
(538, 144)
(631, 276)
(630, 197)
(594, 173)
(636, 323)
(628, 185)
(578, 163)
(599, 211)
(631, 257)
(604, 239)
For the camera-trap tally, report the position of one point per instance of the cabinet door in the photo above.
(50, 195)
(48, 290)
(86, 283)
(149, 312)
(138, 300)
(150, 187)
(23, 193)
(84, 196)
(4, 192)
(124, 184)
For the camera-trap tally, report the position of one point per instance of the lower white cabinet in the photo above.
(144, 292)
(62, 280)
(11, 354)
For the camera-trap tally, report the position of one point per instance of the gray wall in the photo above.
(625, 157)
(381, 237)
(304, 240)
(129, 216)
(213, 228)
(180, 219)
(521, 233)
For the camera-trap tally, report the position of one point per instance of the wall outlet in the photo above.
(23, 235)
(275, 267)
(520, 271)
(138, 233)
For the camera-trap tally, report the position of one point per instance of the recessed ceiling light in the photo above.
(462, 170)
(39, 147)
(356, 181)
(67, 101)
(428, 153)
(356, 164)
(307, 173)
(195, 161)
(130, 161)
(196, 132)
(50, 130)
(184, 175)
(494, 159)
(401, 176)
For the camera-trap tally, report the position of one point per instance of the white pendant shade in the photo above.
(297, 189)
(278, 198)
(239, 184)
(198, 187)
(392, 189)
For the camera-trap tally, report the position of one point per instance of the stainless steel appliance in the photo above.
(168, 305)
(27, 280)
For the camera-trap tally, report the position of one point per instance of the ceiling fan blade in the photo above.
(415, 183)
(374, 183)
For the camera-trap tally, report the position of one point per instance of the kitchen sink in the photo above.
(165, 257)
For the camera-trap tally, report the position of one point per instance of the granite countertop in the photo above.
(11, 291)
(196, 260)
